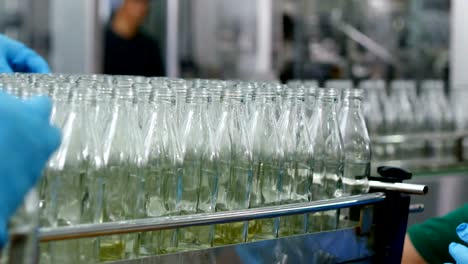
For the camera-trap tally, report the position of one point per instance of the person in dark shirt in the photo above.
(127, 50)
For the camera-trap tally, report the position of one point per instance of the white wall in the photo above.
(204, 28)
(76, 36)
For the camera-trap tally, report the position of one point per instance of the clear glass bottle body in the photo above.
(296, 180)
(198, 175)
(356, 144)
(374, 107)
(162, 155)
(69, 198)
(268, 162)
(327, 145)
(122, 177)
(235, 166)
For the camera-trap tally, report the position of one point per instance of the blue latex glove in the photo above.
(460, 252)
(26, 142)
(16, 57)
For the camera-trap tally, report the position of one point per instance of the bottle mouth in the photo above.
(329, 93)
(163, 95)
(61, 92)
(294, 94)
(233, 93)
(178, 85)
(86, 95)
(198, 94)
(124, 92)
(353, 93)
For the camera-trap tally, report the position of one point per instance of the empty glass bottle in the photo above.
(374, 108)
(409, 118)
(123, 180)
(268, 160)
(356, 144)
(340, 86)
(197, 179)
(327, 146)
(235, 166)
(67, 194)
(295, 182)
(438, 117)
(162, 154)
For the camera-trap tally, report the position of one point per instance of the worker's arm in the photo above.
(26, 142)
(429, 241)
(16, 57)
(410, 254)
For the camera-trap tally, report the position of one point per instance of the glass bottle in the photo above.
(143, 103)
(438, 118)
(67, 196)
(249, 89)
(268, 160)
(433, 116)
(408, 117)
(295, 182)
(123, 195)
(310, 99)
(216, 89)
(340, 86)
(327, 145)
(162, 154)
(197, 181)
(105, 98)
(374, 110)
(235, 166)
(61, 97)
(179, 87)
(356, 142)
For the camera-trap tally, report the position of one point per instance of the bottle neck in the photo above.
(327, 103)
(265, 97)
(163, 99)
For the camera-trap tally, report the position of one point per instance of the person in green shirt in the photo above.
(429, 242)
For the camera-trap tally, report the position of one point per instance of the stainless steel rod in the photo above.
(161, 223)
(407, 188)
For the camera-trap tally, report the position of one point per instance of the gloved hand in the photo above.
(460, 252)
(26, 142)
(16, 57)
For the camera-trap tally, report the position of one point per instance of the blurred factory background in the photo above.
(244, 39)
(269, 40)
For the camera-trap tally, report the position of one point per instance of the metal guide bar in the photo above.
(172, 222)
(407, 188)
